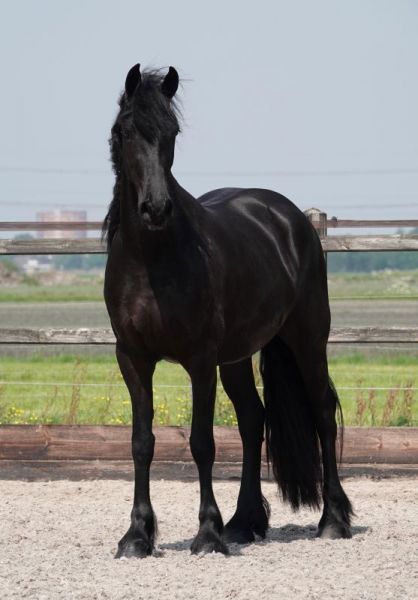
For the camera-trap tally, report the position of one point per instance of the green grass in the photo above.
(389, 285)
(108, 402)
(382, 285)
(396, 405)
(105, 402)
(24, 292)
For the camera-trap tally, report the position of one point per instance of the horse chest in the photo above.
(167, 323)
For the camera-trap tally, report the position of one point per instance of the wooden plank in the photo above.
(389, 445)
(398, 335)
(29, 442)
(351, 223)
(84, 335)
(53, 246)
(386, 445)
(50, 226)
(81, 335)
(334, 222)
(340, 243)
(369, 243)
(86, 442)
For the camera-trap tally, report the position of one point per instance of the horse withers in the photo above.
(208, 282)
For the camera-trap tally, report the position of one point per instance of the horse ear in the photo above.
(171, 82)
(133, 79)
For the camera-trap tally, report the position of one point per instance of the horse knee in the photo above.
(143, 448)
(202, 448)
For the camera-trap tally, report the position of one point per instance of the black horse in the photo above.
(207, 282)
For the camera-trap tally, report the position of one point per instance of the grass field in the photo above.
(88, 389)
(89, 287)
(81, 291)
(71, 389)
(384, 285)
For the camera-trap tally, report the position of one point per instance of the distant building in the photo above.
(57, 215)
(31, 266)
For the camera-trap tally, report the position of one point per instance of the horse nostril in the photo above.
(144, 208)
(154, 214)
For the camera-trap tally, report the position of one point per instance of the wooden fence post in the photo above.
(319, 221)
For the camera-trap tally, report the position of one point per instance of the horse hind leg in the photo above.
(336, 517)
(313, 367)
(252, 511)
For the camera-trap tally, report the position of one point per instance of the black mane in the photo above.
(149, 112)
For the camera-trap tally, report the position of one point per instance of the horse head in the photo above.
(142, 143)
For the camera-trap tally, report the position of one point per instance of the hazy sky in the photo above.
(316, 99)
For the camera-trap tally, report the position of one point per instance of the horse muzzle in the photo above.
(155, 215)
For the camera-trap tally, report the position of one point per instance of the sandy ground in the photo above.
(58, 540)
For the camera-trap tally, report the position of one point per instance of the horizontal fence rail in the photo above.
(53, 246)
(384, 445)
(101, 335)
(97, 225)
(368, 243)
(357, 223)
(50, 226)
(337, 243)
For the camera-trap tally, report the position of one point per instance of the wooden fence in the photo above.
(330, 243)
(362, 445)
(387, 445)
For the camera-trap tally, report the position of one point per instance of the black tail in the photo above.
(291, 436)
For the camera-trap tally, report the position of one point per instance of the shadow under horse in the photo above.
(208, 282)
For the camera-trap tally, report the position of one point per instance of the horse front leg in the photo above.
(140, 537)
(252, 513)
(202, 445)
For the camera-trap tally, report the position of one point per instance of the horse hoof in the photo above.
(236, 535)
(133, 549)
(208, 543)
(334, 532)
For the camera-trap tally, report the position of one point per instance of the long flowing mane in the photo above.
(148, 112)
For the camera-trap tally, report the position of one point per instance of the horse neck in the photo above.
(145, 244)
(183, 200)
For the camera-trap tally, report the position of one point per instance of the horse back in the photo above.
(268, 257)
(260, 224)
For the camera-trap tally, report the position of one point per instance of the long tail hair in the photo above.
(291, 435)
